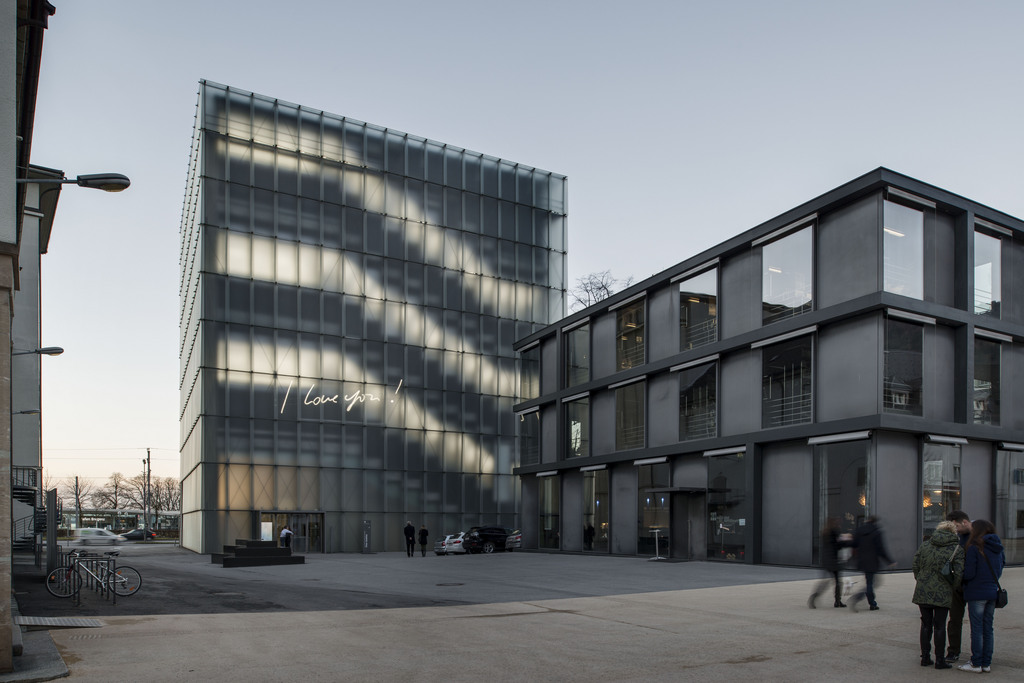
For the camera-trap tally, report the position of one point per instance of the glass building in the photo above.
(858, 355)
(350, 296)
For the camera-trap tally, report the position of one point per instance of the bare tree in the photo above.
(166, 494)
(135, 491)
(595, 287)
(78, 490)
(111, 494)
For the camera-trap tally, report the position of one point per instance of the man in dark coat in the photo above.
(410, 539)
(870, 548)
(955, 629)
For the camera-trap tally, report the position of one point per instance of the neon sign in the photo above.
(350, 400)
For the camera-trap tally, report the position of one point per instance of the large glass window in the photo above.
(529, 373)
(903, 250)
(1010, 503)
(550, 501)
(596, 518)
(577, 428)
(986, 381)
(629, 349)
(727, 507)
(629, 416)
(577, 356)
(786, 387)
(698, 402)
(529, 438)
(843, 492)
(698, 310)
(903, 367)
(940, 479)
(653, 515)
(786, 267)
(987, 278)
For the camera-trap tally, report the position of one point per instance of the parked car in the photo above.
(486, 539)
(454, 544)
(440, 545)
(138, 534)
(514, 540)
(93, 536)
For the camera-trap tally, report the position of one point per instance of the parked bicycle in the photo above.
(64, 582)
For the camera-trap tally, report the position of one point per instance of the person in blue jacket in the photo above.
(983, 566)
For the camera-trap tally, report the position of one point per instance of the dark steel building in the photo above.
(858, 355)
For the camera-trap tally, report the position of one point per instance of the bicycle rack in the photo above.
(96, 566)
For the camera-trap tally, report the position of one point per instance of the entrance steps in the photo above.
(253, 553)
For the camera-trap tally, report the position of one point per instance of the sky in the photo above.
(679, 125)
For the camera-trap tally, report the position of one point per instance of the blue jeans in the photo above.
(981, 613)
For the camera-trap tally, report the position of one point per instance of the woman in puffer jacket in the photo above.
(982, 568)
(933, 593)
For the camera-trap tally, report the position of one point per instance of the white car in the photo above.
(454, 544)
(92, 536)
(441, 544)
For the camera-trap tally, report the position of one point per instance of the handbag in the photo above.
(947, 569)
(1002, 599)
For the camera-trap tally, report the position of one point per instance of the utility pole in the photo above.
(145, 496)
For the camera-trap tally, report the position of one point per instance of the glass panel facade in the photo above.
(843, 491)
(350, 309)
(577, 428)
(529, 377)
(629, 325)
(653, 515)
(596, 517)
(577, 356)
(786, 276)
(1009, 519)
(728, 507)
(902, 380)
(986, 381)
(629, 416)
(698, 310)
(698, 402)
(787, 383)
(550, 502)
(987, 274)
(903, 250)
(940, 479)
(529, 438)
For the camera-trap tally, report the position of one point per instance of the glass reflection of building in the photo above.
(856, 356)
(350, 295)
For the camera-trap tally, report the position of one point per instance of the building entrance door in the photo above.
(688, 511)
(306, 527)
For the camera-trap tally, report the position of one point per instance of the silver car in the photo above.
(92, 536)
(440, 545)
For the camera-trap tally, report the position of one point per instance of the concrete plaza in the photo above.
(510, 616)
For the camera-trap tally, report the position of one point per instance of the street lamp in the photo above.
(108, 182)
(45, 351)
(34, 411)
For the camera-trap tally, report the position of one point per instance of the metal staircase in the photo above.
(29, 510)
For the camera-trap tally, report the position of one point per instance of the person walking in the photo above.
(286, 537)
(933, 592)
(870, 548)
(831, 542)
(955, 629)
(983, 565)
(424, 537)
(410, 539)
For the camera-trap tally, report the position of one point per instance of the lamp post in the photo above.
(45, 351)
(108, 182)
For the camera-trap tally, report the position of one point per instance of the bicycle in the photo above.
(64, 582)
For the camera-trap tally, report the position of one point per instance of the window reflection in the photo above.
(698, 402)
(987, 274)
(653, 482)
(1010, 503)
(529, 438)
(940, 477)
(698, 310)
(842, 479)
(986, 381)
(529, 378)
(787, 383)
(577, 356)
(596, 520)
(577, 423)
(786, 276)
(727, 507)
(903, 367)
(903, 250)
(629, 349)
(549, 506)
(629, 416)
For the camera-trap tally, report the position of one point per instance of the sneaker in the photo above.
(942, 665)
(952, 659)
(873, 608)
(987, 669)
(970, 667)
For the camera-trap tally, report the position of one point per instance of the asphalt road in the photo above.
(178, 581)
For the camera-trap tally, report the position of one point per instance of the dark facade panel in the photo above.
(847, 250)
(847, 360)
(787, 517)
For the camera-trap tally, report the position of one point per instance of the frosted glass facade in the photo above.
(350, 295)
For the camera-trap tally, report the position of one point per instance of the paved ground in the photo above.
(510, 616)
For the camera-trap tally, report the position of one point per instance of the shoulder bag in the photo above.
(1001, 598)
(947, 569)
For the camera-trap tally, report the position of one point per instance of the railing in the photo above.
(26, 476)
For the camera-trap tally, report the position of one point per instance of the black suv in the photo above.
(485, 539)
